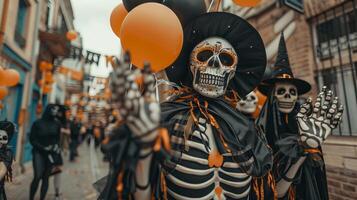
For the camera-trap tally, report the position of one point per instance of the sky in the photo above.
(92, 22)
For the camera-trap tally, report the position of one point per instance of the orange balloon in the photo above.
(48, 77)
(10, 77)
(247, 3)
(152, 33)
(39, 108)
(2, 76)
(45, 66)
(47, 89)
(41, 82)
(117, 17)
(71, 35)
(3, 92)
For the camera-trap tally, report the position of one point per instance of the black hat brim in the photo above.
(302, 86)
(244, 38)
(9, 127)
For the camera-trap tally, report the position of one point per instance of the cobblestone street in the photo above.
(77, 178)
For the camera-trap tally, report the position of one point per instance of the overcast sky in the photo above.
(92, 21)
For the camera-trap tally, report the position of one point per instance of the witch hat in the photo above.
(281, 72)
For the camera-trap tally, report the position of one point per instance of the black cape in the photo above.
(238, 131)
(282, 135)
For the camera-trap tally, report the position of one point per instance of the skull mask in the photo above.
(55, 111)
(286, 94)
(213, 65)
(3, 138)
(248, 104)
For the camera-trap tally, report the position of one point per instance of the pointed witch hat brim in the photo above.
(267, 86)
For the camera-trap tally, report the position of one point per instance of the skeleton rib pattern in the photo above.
(192, 178)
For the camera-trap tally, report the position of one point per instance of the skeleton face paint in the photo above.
(213, 65)
(3, 138)
(248, 104)
(286, 94)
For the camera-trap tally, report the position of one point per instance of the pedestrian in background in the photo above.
(75, 127)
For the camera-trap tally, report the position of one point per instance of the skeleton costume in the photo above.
(7, 129)
(215, 150)
(248, 104)
(299, 170)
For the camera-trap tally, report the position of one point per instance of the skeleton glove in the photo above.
(138, 107)
(316, 121)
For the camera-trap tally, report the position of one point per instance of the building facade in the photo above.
(19, 24)
(322, 47)
(32, 31)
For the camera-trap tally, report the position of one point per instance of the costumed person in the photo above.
(75, 127)
(248, 104)
(215, 150)
(296, 133)
(45, 139)
(7, 130)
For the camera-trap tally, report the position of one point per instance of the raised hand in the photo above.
(138, 108)
(316, 121)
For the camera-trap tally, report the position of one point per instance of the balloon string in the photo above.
(156, 88)
(210, 6)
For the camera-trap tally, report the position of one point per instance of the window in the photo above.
(49, 14)
(333, 32)
(336, 59)
(61, 24)
(21, 23)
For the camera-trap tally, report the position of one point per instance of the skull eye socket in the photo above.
(281, 91)
(226, 59)
(204, 55)
(293, 91)
(4, 137)
(253, 98)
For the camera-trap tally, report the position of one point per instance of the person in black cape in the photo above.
(45, 140)
(299, 170)
(7, 130)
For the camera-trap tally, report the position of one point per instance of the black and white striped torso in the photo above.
(191, 178)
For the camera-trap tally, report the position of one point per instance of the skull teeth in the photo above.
(210, 79)
(285, 104)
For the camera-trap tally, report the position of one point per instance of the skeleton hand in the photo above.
(317, 121)
(141, 111)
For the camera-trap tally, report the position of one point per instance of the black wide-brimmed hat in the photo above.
(240, 34)
(281, 72)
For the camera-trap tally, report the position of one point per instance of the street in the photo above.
(77, 178)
